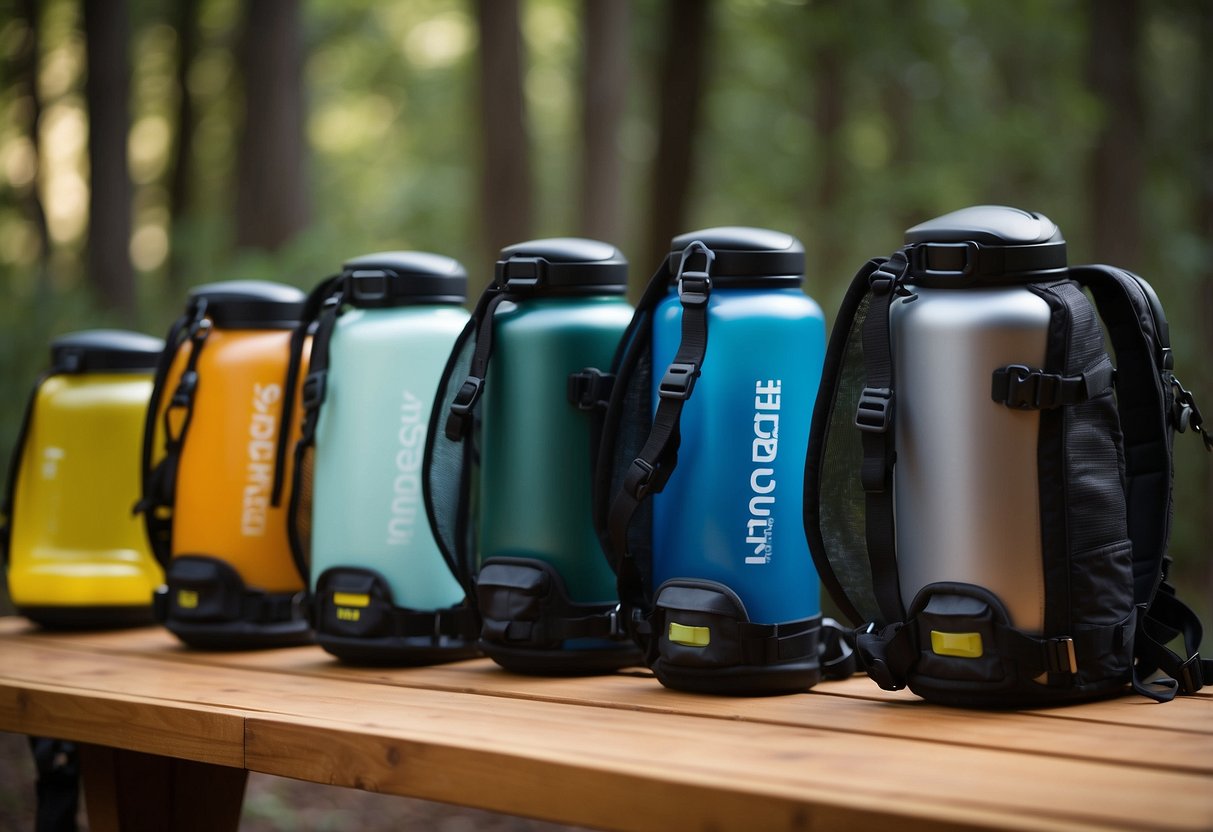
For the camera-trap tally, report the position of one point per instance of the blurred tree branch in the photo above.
(605, 82)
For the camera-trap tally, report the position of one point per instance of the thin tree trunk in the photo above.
(25, 76)
(507, 201)
(1205, 292)
(1117, 167)
(829, 115)
(272, 202)
(180, 192)
(683, 70)
(107, 90)
(605, 24)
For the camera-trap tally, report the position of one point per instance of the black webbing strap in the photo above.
(462, 411)
(768, 644)
(328, 293)
(1022, 388)
(651, 469)
(160, 480)
(14, 466)
(571, 621)
(452, 622)
(875, 417)
(1167, 618)
(889, 655)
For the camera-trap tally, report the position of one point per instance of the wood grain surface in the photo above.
(618, 751)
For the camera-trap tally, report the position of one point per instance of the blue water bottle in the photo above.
(728, 596)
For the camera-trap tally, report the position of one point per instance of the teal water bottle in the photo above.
(545, 593)
(381, 591)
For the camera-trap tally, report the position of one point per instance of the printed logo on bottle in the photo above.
(406, 488)
(259, 474)
(760, 528)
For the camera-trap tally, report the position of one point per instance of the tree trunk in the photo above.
(107, 90)
(180, 191)
(1117, 167)
(1205, 289)
(25, 79)
(506, 203)
(828, 73)
(272, 202)
(683, 70)
(605, 27)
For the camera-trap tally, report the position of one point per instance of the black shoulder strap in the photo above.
(1152, 405)
(322, 308)
(14, 467)
(875, 417)
(651, 469)
(160, 480)
(815, 479)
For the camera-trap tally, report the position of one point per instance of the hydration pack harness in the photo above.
(1072, 659)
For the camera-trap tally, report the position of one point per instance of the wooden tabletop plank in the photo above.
(1121, 731)
(400, 739)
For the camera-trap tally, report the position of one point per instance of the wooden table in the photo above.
(170, 734)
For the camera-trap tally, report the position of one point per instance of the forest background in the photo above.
(146, 146)
(149, 145)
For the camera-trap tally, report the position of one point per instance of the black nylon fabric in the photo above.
(450, 468)
(835, 515)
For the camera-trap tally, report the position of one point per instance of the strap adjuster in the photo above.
(1191, 675)
(314, 389)
(637, 480)
(875, 411)
(694, 288)
(184, 394)
(1059, 653)
(461, 408)
(678, 381)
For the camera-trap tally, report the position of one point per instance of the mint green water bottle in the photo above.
(514, 393)
(381, 591)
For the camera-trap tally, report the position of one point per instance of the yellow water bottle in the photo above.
(76, 556)
(213, 424)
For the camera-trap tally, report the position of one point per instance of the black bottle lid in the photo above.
(400, 278)
(757, 257)
(99, 350)
(251, 304)
(985, 244)
(563, 265)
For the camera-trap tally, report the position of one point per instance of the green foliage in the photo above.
(944, 103)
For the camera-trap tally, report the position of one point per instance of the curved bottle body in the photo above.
(367, 510)
(535, 445)
(966, 493)
(226, 471)
(75, 541)
(731, 510)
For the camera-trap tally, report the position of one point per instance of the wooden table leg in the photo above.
(128, 791)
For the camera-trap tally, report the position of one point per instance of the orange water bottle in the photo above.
(213, 423)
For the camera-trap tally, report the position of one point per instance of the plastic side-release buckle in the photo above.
(184, 393)
(643, 479)
(875, 411)
(678, 382)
